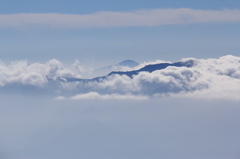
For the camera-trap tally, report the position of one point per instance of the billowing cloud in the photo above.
(207, 78)
(148, 18)
(36, 74)
(222, 76)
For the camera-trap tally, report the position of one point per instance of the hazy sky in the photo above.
(108, 32)
(177, 112)
(160, 128)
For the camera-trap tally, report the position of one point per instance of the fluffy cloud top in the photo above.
(207, 78)
(154, 17)
(35, 74)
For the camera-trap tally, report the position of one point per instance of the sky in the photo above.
(120, 35)
(188, 112)
(161, 128)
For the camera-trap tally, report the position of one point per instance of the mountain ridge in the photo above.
(148, 68)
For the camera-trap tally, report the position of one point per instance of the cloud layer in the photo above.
(147, 18)
(36, 74)
(208, 78)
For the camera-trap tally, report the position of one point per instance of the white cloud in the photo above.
(35, 74)
(95, 95)
(79, 68)
(149, 18)
(222, 76)
(208, 78)
(60, 98)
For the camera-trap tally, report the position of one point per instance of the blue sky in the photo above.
(109, 45)
(83, 7)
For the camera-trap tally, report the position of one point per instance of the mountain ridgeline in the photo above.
(105, 70)
(147, 68)
(154, 67)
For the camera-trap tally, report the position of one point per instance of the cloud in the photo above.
(207, 78)
(35, 74)
(95, 95)
(146, 18)
(46, 129)
(169, 80)
(222, 76)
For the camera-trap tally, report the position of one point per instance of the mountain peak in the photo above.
(129, 63)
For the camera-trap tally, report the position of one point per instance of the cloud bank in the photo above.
(144, 18)
(207, 78)
(35, 74)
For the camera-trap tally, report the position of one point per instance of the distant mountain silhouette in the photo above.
(147, 68)
(128, 63)
(107, 69)
(154, 67)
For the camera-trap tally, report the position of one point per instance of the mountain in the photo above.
(128, 63)
(147, 68)
(107, 69)
(154, 67)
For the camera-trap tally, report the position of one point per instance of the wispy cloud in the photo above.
(95, 95)
(147, 18)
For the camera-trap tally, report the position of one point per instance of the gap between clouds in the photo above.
(138, 18)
